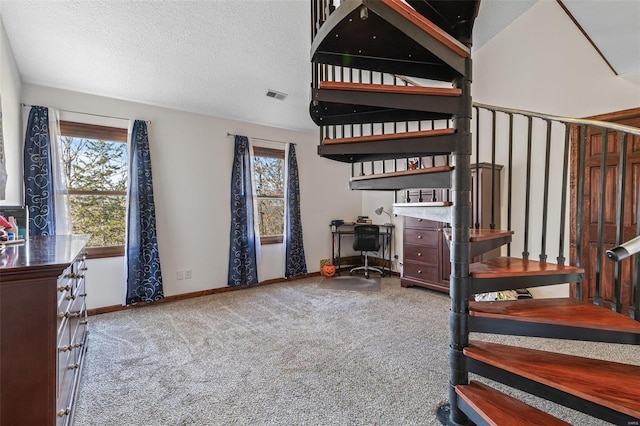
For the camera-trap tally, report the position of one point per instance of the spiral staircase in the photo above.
(366, 56)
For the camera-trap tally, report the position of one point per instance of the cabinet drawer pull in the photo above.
(64, 412)
(419, 254)
(419, 271)
(74, 366)
(64, 288)
(419, 237)
(66, 348)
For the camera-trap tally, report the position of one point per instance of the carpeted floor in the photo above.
(284, 354)
(353, 283)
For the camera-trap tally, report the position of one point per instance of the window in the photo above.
(268, 169)
(96, 160)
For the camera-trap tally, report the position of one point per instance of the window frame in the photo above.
(261, 151)
(76, 129)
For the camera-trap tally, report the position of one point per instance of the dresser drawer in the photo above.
(419, 253)
(422, 237)
(414, 222)
(421, 271)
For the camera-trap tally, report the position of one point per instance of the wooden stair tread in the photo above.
(388, 88)
(514, 267)
(428, 170)
(390, 136)
(429, 27)
(476, 235)
(557, 311)
(609, 384)
(498, 408)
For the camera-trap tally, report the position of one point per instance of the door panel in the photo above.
(592, 205)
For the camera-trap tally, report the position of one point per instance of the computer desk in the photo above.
(339, 231)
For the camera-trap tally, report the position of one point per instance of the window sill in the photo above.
(275, 239)
(102, 252)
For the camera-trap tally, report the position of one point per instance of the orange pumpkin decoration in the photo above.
(328, 270)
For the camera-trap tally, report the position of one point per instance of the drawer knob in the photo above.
(419, 254)
(419, 271)
(419, 237)
(64, 288)
(64, 412)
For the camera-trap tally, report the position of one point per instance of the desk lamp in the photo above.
(380, 210)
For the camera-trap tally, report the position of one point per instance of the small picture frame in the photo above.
(21, 215)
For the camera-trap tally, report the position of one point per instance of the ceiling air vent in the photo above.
(276, 95)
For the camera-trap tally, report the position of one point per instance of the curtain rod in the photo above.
(263, 139)
(88, 113)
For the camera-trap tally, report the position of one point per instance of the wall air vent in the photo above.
(276, 95)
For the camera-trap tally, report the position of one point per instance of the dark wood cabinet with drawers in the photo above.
(425, 249)
(43, 329)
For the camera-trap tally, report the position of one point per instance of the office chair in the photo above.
(366, 238)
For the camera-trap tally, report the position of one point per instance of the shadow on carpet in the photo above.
(354, 283)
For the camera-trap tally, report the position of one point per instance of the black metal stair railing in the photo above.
(542, 207)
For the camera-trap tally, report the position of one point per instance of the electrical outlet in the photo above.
(180, 274)
(187, 274)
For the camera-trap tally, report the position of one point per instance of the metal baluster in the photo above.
(510, 179)
(361, 169)
(492, 224)
(420, 196)
(313, 19)
(563, 202)
(408, 197)
(622, 173)
(353, 169)
(597, 298)
(635, 291)
(525, 253)
(545, 195)
(476, 201)
(580, 210)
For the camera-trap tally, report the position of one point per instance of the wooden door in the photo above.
(592, 205)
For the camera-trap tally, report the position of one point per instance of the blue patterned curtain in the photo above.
(144, 277)
(243, 266)
(38, 173)
(295, 263)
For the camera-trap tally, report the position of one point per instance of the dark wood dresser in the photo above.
(425, 248)
(43, 329)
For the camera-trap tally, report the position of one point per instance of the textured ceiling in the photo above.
(214, 57)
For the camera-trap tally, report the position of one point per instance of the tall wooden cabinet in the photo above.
(425, 249)
(43, 329)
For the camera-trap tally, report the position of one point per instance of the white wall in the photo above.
(191, 157)
(10, 96)
(541, 62)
